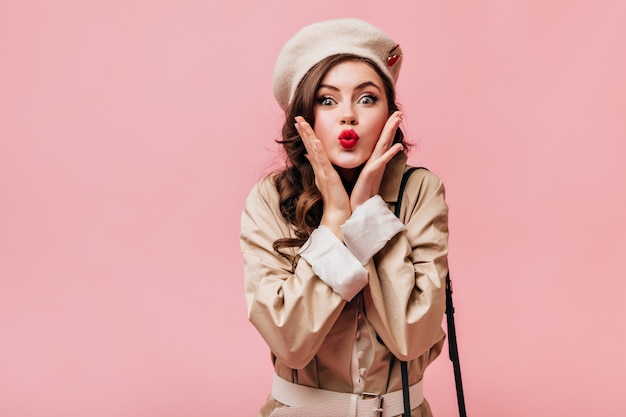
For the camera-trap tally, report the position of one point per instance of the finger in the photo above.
(306, 133)
(323, 169)
(391, 152)
(316, 173)
(388, 133)
(390, 128)
(379, 164)
(311, 142)
(319, 160)
(304, 129)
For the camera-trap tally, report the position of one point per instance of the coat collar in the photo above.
(392, 177)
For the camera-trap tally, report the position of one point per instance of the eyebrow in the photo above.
(361, 86)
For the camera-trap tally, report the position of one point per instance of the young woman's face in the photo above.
(350, 111)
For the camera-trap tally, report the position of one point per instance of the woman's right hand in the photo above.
(335, 199)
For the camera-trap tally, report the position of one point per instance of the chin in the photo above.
(349, 171)
(349, 163)
(349, 167)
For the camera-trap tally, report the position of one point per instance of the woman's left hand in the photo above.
(368, 183)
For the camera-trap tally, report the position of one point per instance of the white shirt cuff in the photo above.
(333, 263)
(369, 228)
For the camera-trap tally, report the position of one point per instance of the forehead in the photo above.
(351, 72)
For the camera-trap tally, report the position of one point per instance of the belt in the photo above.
(306, 401)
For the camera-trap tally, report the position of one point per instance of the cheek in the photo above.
(320, 126)
(379, 123)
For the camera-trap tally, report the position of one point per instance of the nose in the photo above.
(349, 116)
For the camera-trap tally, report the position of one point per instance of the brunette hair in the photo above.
(300, 201)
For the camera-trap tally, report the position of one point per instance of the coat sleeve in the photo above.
(405, 299)
(292, 309)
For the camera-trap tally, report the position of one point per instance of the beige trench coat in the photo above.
(311, 330)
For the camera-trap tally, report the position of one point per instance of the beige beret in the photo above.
(320, 40)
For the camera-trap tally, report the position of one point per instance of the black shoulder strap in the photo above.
(452, 345)
(453, 349)
(405, 178)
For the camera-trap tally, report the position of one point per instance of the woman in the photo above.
(340, 288)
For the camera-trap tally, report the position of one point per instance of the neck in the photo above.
(349, 176)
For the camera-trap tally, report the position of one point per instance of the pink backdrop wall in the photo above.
(131, 132)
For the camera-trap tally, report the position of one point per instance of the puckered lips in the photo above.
(348, 138)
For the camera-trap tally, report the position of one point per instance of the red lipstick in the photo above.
(348, 138)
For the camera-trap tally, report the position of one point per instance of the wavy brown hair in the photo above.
(299, 199)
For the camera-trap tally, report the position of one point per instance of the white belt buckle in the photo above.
(372, 396)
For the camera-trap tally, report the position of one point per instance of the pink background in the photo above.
(131, 132)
